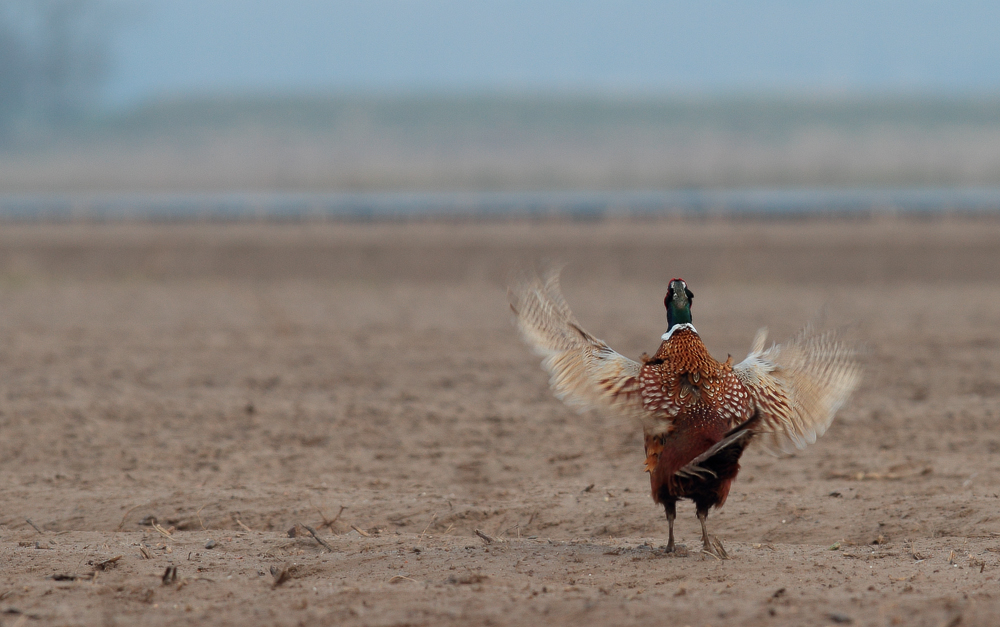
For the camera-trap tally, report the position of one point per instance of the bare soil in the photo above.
(179, 402)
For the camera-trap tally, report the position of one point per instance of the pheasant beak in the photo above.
(678, 291)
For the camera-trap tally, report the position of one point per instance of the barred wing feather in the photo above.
(798, 386)
(584, 371)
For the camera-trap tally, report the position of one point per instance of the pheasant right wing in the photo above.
(797, 387)
(585, 372)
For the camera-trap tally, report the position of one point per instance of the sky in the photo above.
(170, 48)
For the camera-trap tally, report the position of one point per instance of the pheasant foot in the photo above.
(713, 546)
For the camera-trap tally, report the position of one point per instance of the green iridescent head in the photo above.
(678, 303)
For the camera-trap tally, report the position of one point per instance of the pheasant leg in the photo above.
(712, 545)
(671, 514)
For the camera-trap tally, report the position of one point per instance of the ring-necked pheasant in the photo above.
(698, 415)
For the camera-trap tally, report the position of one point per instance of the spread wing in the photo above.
(798, 386)
(585, 372)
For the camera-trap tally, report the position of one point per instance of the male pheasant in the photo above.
(698, 415)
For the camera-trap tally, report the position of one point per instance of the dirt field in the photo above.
(181, 396)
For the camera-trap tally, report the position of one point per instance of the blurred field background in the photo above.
(506, 142)
(191, 377)
(127, 96)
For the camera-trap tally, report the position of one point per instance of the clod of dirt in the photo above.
(466, 579)
(107, 564)
(283, 574)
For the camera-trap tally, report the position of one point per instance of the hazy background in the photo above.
(439, 95)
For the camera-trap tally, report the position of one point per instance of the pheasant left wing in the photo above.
(797, 387)
(585, 372)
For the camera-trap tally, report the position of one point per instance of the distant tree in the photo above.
(54, 58)
(15, 73)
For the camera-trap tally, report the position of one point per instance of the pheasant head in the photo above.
(678, 303)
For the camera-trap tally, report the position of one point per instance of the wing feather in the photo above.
(798, 386)
(584, 371)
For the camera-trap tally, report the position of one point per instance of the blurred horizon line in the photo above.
(559, 93)
(754, 203)
(489, 141)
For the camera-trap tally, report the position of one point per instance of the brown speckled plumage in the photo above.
(686, 391)
(698, 414)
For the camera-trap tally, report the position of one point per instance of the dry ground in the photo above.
(184, 395)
